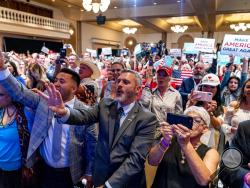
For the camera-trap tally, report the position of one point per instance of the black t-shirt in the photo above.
(171, 173)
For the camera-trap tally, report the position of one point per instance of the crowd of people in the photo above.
(65, 121)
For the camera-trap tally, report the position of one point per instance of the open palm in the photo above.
(54, 100)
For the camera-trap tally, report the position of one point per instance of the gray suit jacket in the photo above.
(82, 139)
(234, 178)
(120, 162)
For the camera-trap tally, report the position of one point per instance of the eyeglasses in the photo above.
(198, 121)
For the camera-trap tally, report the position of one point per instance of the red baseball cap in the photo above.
(167, 70)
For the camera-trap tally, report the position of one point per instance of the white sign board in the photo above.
(238, 45)
(93, 53)
(175, 52)
(207, 58)
(107, 51)
(137, 49)
(204, 45)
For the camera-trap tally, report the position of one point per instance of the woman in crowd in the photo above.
(237, 112)
(36, 77)
(210, 83)
(231, 86)
(182, 160)
(13, 69)
(22, 69)
(164, 98)
(14, 139)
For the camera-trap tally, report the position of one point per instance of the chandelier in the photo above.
(96, 7)
(128, 30)
(240, 26)
(179, 28)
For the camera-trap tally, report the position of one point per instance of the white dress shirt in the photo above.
(46, 147)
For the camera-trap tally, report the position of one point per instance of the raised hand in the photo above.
(210, 106)
(54, 100)
(183, 134)
(167, 131)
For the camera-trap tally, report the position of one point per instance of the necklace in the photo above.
(183, 158)
(9, 114)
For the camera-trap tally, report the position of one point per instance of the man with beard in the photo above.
(126, 132)
(67, 152)
(190, 83)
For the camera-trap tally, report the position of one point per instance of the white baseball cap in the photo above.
(211, 80)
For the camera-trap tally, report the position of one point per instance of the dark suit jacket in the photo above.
(185, 89)
(82, 139)
(121, 161)
(234, 178)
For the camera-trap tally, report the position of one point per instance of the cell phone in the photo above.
(62, 53)
(204, 96)
(180, 119)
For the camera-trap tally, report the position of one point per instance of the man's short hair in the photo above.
(74, 75)
(136, 74)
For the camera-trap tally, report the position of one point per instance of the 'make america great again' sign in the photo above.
(238, 45)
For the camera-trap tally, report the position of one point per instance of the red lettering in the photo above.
(242, 45)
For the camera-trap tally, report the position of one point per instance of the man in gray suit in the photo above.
(67, 151)
(126, 133)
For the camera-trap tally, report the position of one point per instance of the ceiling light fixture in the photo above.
(155, 3)
(71, 31)
(128, 30)
(240, 26)
(96, 7)
(179, 28)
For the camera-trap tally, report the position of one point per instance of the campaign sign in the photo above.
(238, 45)
(188, 48)
(176, 52)
(137, 49)
(168, 61)
(225, 59)
(164, 62)
(107, 51)
(204, 45)
(207, 58)
(92, 52)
